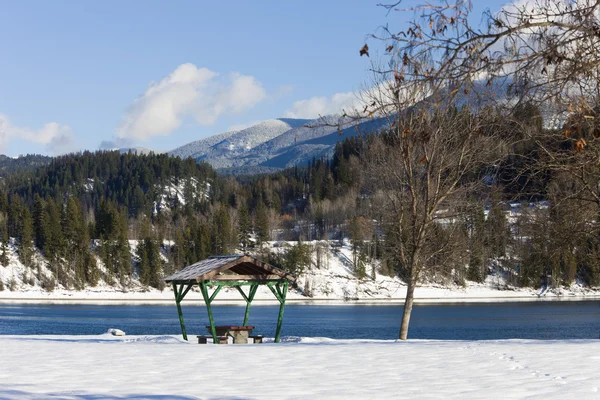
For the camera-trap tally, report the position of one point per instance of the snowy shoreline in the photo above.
(329, 281)
(165, 298)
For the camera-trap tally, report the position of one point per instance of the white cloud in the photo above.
(117, 143)
(319, 106)
(188, 91)
(57, 138)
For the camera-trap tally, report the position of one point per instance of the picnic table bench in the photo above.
(240, 334)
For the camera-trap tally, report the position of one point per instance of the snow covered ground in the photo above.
(164, 367)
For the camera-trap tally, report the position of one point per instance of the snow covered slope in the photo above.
(200, 147)
(222, 148)
(275, 144)
(330, 278)
(227, 152)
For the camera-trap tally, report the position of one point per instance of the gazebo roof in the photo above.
(236, 267)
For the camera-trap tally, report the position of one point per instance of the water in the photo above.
(536, 320)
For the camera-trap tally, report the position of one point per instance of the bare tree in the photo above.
(440, 73)
(548, 48)
(430, 158)
(541, 52)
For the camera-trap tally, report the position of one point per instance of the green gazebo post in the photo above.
(280, 292)
(179, 295)
(248, 299)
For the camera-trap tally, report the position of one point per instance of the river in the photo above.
(481, 321)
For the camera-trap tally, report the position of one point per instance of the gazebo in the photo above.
(235, 270)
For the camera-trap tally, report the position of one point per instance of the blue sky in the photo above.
(80, 75)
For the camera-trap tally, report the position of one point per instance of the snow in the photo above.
(106, 366)
(272, 144)
(174, 193)
(199, 147)
(329, 280)
(223, 149)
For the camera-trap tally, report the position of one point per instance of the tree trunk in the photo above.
(408, 305)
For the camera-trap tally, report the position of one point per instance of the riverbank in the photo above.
(474, 293)
(333, 282)
(105, 366)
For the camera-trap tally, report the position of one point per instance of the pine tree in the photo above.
(155, 262)
(244, 227)
(4, 250)
(26, 239)
(16, 209)
(148, 253)
(356, 238)
(221, 232)
(54, 246)
(122, 250)
(92, 274)
(3, 202)
(39, 222)
(178, 251)
(111, 229)
(203, 242)
(76, 240)
(262, 223)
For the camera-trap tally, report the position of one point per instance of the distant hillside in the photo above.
(275, 144)
(222, 150)
(139, 182)
(29, 162)
(200, 147)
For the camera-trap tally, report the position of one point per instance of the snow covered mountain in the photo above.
(274, 144)
(200, 147)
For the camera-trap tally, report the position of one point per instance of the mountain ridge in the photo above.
(275, 144)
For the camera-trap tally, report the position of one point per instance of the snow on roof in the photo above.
(243, 267)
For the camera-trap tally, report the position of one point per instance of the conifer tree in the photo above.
(202, 242)
(356, 237)
(148, 253)
(4, 246)
(155, 262)
(111, 229)
(244, 226)
(54, 244)
(142, 254)
(92, 274)
(262, 223)
(122, 250)
(39, 221)
(76, 241)
(4, 206)
(221, 232)
(26, 239)
(16, 209)
(178, 257)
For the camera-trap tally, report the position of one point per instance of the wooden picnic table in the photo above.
(240, 334)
